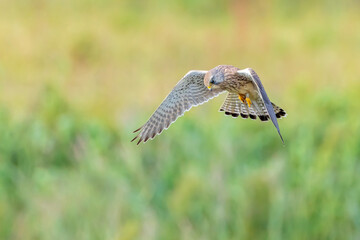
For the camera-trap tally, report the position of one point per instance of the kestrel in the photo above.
(246, 98)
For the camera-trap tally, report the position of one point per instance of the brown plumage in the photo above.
(246, 98)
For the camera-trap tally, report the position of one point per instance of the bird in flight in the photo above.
(246, 98)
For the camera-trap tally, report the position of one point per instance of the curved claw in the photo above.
(242, 98)
(248, 101)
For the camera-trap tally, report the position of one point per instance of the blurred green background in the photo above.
(76, 77)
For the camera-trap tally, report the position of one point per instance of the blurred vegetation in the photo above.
(76, 77)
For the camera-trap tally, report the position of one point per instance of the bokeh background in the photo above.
(76, 77)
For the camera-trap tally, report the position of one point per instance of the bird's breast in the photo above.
(237, 84)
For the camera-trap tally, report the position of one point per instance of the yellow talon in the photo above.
(248, 101)
(242, 98)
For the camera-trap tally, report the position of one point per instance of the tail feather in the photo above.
(279, 111)
(231, 105)
(260, 108)
(262, 112)
(248, 111)
(234, 107)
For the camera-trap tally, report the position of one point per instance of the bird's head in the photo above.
(213, 79)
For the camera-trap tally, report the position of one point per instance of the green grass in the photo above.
(77, 77)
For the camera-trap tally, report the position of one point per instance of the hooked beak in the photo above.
(211, 83)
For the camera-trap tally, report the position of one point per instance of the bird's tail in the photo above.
(279, 111)
(231, 105)
(234, 107)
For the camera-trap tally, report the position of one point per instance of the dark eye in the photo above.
(212, 80)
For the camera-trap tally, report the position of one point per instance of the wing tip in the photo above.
(137, 136)
(138, 129)
(134, 138)
(282, 140)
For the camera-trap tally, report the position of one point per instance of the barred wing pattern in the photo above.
(269, 107)
(189, 91)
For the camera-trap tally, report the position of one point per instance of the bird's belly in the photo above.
(242, 89)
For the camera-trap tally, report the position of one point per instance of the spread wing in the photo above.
(189, 91)
(266, 100)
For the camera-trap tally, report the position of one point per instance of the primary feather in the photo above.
(189, 91)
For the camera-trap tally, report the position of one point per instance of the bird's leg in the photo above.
(247, 99)
(242, 98)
